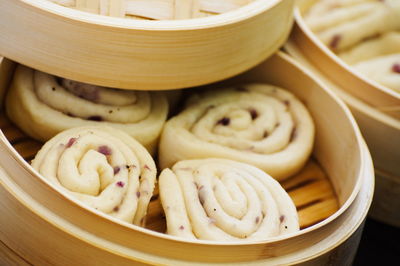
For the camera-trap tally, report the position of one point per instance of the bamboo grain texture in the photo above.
(385, 208)
(143, 54)
(10, 258)
(154, 9)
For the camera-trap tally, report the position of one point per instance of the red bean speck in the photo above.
(335, 41)
(116, 209)
(82, 90)
(282, 218)
(71, 142)
(146, 167)
(181, 227)
(120, 184)
(105, 150)
(116, 170)
(138, 194)
(396, 68)
(95, 118)
(225, 121)
(257, 219)
(253, 113)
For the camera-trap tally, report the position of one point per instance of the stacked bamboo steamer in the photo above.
(375, 107)
(51, 228)
(152, 55)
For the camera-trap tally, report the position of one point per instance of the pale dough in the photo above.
(258, 124)
(102, 167)
(224, 200)
(364, 33)
(42, 107)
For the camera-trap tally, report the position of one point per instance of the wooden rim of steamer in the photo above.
(372, 93)
(142, 54)
(118, 232)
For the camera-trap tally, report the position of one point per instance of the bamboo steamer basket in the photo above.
(372, 93)
(41, 226)
(142, 54)
(376, 109)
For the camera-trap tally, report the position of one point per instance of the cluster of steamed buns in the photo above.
(363, 33)
(220, 156)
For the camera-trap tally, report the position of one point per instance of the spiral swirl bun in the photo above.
(377, 59)
(103, 167)
(43, 106)
(258, 124)
(341, 24)
(223, 200)
(364, 33)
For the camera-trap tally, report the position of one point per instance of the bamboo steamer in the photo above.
(142, 54)
(50, 228)
(372, 93)
(376, 109)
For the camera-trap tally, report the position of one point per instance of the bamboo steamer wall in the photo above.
(375, 107)
(142, 54)
(50, 228)
(372, 93)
